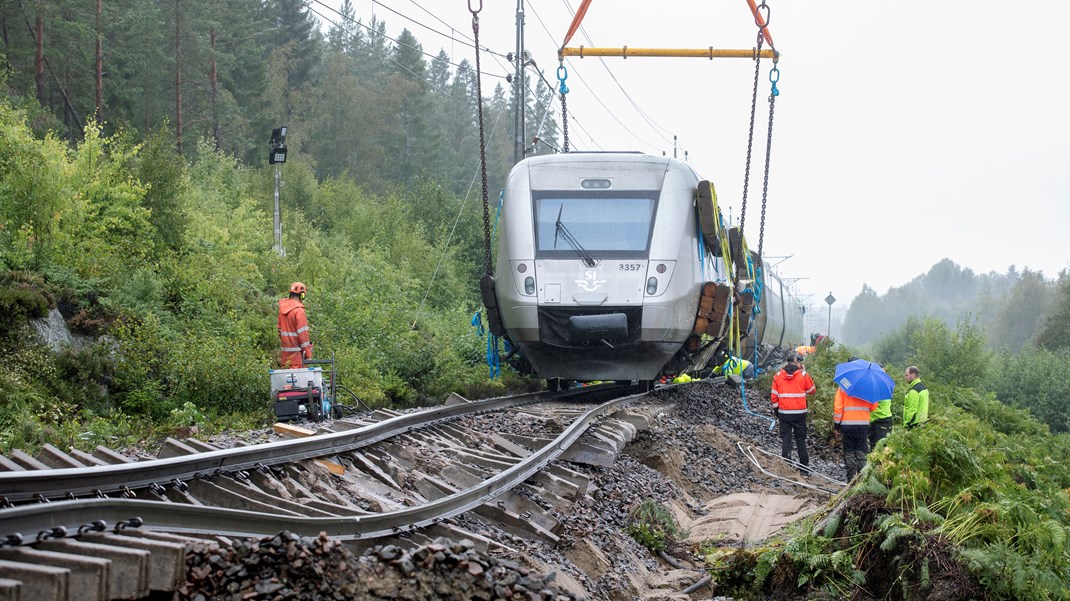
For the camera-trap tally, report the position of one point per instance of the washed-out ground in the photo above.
(703, 458)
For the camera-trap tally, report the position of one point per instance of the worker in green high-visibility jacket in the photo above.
(880, 422)
(737, 366)
(916, 403)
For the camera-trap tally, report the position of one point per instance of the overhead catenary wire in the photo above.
(497, 56)
(308, 4)
(432, 29)
(470, 44)
(592, 93)
(494, 128)
(576, 122)
(653, 125)
(456, 220)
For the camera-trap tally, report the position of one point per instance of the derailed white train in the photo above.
(610, 267)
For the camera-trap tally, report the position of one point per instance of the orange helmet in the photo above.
(298, 288)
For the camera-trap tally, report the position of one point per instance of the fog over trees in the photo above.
(1016, 309)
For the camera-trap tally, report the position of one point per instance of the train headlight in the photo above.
(529, 285)
(652, 286)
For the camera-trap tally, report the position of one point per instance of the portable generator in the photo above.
(300, 394)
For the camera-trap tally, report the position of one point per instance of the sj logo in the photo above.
(590, 283)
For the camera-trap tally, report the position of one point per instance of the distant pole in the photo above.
(830, 299)
(278, 222)
(518, 80)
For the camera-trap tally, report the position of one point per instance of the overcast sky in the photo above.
(905, 132)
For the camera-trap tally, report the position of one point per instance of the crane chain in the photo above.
(562, 75)
(482, 141)
(774, 77)
(564, 122)
(750, 143)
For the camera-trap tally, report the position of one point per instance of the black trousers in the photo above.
(855, 448)
(879, 429)
(793, 425)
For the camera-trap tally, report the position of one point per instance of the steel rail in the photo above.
(64, 482)
(41, 519)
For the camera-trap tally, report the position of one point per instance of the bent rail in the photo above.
(44, 518)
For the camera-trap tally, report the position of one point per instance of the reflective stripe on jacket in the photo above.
(916, 404)
(850, 411)
(790, 389)
(293, 333)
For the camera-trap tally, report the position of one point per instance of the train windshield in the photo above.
(593, 225)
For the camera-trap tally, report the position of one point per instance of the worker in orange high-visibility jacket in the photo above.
(791, 385)
(293, 329)
(850, 418)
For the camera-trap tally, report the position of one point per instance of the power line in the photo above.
(575, 121)
(429, 28)
(653, 125)
(357, 22)
(494, 126)
(593, 94)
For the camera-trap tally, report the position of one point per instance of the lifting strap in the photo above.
(580, 12)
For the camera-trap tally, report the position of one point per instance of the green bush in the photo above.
(20, 304)
(1029, 380)
(653, 525)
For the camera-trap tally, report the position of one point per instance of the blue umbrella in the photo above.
(864, 380)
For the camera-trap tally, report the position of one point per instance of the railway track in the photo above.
(386, 475)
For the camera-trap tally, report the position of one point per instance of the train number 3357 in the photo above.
(629, 266)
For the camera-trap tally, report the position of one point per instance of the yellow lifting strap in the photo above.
(707, 53)
(726, 248)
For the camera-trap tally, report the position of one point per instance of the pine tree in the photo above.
(1055, 333)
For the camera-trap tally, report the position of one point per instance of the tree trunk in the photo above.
(39, 61)
(178, 76)
(100, 63)
(213, 90)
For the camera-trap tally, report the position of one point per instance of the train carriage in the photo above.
(601, 264)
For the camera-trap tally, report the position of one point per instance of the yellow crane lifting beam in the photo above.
(710, 53)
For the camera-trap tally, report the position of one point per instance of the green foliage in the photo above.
(1054, 334)
(165, 176)
(32, 191)
(1029, 380)
(168, 267)
(899, 347)
(978, 498)
(18, 303)
(653, 525)
(955, 357)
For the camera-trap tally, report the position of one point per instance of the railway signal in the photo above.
(277, 156)
(830, 299)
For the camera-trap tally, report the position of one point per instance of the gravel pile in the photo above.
(290, 567)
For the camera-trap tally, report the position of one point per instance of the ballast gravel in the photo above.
(689, 455)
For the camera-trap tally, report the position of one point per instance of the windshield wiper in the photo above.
(559, 228)
(557, 225)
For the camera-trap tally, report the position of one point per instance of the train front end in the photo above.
(597, 269)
